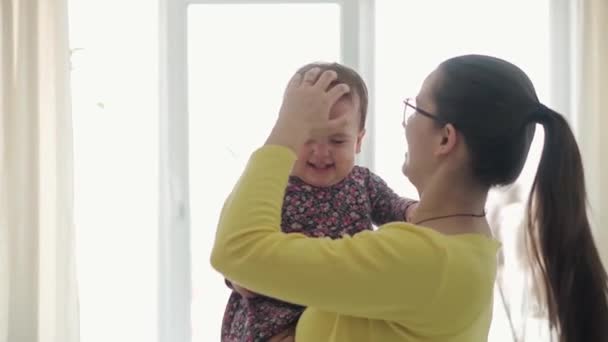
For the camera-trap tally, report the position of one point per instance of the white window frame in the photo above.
(174, 276)
(563, 54)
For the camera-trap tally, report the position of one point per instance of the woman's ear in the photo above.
(449, 139)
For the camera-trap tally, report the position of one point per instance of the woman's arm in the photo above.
(384, 274)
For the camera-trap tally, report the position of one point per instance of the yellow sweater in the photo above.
(399, 283)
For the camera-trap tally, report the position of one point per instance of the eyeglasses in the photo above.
(410, 109)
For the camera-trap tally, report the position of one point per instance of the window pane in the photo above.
(240, 59)
(412, 38)
(114, 99)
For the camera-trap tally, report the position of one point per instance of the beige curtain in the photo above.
(38, 300)
(590, 102)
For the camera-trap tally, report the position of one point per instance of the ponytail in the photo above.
(564, 257)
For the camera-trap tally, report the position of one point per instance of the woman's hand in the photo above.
(305, 110)
(288, 335)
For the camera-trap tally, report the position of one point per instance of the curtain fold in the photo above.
(38, 295)
(579, 90)
(590, 102)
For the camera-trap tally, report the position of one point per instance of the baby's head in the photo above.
(327, 160)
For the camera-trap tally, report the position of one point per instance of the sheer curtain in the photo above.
(38, 300)
(580, 90)
(590, 107)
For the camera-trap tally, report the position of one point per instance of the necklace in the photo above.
(453, 215)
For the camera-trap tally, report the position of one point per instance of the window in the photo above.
(413, 37)
(115, 117)
(160, 138)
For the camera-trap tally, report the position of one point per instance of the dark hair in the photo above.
(349, 77)
(495, 107)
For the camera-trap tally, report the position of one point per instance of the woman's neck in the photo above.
(461, 201)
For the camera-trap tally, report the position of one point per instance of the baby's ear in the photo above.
(360, 140)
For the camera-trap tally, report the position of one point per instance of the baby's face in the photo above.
(328, 160)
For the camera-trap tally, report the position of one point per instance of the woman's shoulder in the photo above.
(464, 264)
(406, 228)
(470, 255)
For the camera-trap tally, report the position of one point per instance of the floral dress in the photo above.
(348, 207)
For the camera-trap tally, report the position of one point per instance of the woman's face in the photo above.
(423, 136)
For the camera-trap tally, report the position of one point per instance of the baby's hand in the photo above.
(243, 291)
(409, 211)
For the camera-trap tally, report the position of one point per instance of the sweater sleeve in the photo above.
(386, 274)
(387, 206)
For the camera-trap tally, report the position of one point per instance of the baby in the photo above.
(327, 196)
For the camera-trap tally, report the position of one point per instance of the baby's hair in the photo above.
(349, 77)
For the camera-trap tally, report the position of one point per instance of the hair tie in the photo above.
(540, 114)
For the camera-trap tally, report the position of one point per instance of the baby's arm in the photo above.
(243, 291)
(240, 290)
(387, 206)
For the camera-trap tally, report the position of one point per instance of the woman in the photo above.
(469, 130)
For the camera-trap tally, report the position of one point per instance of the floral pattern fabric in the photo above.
(346, 208)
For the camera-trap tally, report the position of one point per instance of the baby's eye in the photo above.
(338, 142)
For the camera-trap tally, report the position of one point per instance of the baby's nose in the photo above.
(321, 150)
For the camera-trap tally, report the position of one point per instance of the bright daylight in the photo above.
(436, 174)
